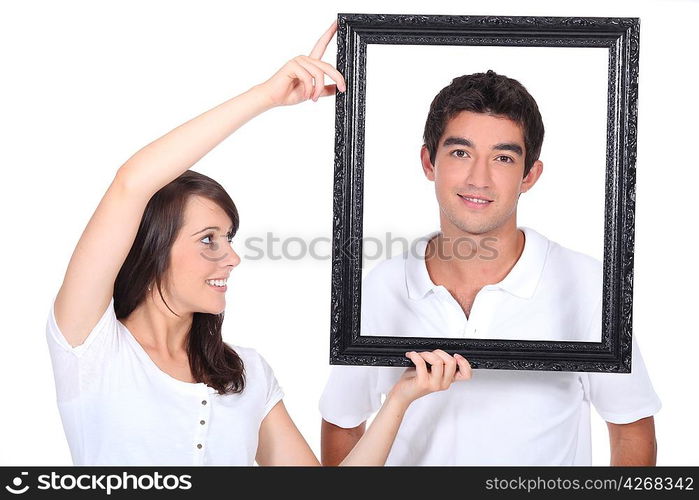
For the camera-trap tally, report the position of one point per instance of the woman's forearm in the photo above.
(164, 159)
(374, 446)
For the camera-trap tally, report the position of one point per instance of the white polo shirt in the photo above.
(119, 408)
(507, 417)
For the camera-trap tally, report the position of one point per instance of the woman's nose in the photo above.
(232, 259)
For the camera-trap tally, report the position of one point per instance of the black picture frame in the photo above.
(621, 37)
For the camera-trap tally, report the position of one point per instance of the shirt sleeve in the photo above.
(622, 398)
(74, 365)
(351, 395)
(274, 391)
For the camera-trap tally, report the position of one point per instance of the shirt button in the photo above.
(199, 446)
(203, 402)
(202, 422)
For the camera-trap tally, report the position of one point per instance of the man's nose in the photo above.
(479, 173)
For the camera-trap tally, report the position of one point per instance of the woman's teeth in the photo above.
(216, 282)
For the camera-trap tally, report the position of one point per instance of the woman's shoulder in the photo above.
(243, 351)
(250, 356)
(258, 373)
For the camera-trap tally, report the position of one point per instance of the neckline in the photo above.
(521, 280)
(141, 352)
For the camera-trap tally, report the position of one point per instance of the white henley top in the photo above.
(119, 408)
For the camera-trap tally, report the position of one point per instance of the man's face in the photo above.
(479, 156)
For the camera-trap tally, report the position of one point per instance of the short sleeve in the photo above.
(622, 398)
(274, 392)
(76, 366)
(107, 323)
(351, 395)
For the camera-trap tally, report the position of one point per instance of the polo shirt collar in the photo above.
(521, 281)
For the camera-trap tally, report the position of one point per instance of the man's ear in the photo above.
(533, 176)
(427, 166)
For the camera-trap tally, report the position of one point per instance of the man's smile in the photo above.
(477, 202)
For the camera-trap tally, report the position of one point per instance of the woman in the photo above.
(142, 373)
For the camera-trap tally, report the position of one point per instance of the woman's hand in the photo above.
(303, 77)
(375, 444)
(417, 382)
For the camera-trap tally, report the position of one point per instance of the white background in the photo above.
(570, 87)
(86, 84)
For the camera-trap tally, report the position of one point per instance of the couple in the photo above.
(143, 376)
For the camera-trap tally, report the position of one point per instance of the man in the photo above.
(483, 137)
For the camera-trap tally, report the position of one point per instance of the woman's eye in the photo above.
(210, 237)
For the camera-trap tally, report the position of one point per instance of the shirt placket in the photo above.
(481, 314)
(452, 316)
(202, 425)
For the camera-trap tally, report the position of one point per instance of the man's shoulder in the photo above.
(387, 273)
(575, 260)
(578, 267)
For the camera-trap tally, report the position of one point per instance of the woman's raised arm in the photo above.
(88, 284)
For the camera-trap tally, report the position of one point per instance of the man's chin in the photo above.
(470, 229)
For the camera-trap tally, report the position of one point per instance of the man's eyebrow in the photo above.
(515, 148)
(461, 141)
(210, 227)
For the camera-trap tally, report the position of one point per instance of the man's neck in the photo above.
(455, 258)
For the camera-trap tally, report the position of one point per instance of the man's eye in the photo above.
(505, 159)
(460, 153)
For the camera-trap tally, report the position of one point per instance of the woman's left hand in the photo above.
(419, 381)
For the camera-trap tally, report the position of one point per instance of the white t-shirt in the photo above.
(119, 408)
(507, 417)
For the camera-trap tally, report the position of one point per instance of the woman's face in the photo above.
(201, 256)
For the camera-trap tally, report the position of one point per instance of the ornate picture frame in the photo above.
(620, 36)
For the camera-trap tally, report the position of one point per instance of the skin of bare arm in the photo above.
(336, 442)
(633, 443)
(280, 442)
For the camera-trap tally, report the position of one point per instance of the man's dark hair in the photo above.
(492, 94)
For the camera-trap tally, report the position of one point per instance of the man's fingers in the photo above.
(323, 41)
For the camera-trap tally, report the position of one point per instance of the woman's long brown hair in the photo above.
(210, 359)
